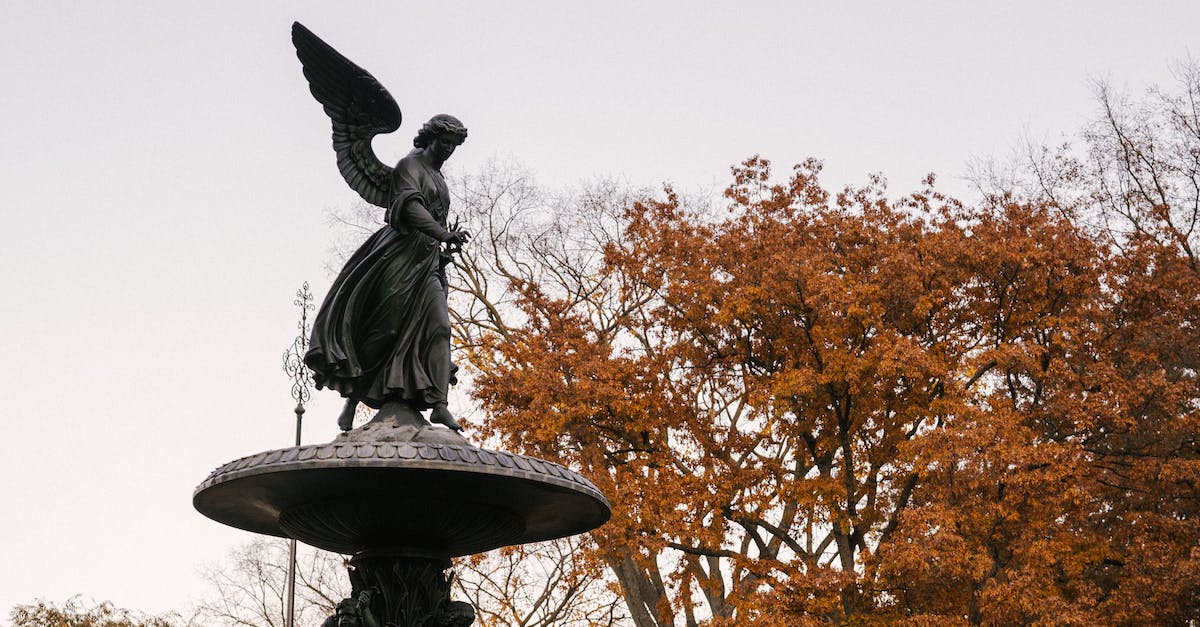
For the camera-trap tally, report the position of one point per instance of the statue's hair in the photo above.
(440, 124)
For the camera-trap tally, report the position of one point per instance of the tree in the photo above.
(525, 236)
(1133, 173)
(840, 407)
(250, 588)
(1125, 388)
(733, 397)
(74, 613)
(548, 584)
(534, 585)
(856, 408)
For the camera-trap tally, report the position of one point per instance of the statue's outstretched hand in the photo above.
(458, 238)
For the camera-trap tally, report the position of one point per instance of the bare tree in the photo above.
(535, 586)
(539, 585)
(1144, 161)
(1132, 172)
(250, 588)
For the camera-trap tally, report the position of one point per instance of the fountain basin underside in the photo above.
(412, 498)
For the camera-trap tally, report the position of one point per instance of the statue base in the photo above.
(402, 509)
(398, 422)
(403, 591)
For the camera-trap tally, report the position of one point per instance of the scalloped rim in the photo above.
(407, 454)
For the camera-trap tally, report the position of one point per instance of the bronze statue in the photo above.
(399, 495)
(383, 333)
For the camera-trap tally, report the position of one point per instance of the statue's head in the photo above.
(347, 614)
(441, 126)
(354, 612)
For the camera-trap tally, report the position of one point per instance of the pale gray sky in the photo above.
(164, 177)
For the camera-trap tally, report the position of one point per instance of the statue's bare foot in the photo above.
(441, 414)
(346, 418)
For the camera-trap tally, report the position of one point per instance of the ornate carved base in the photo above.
(401, 591)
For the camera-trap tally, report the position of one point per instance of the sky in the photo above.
(165, 178)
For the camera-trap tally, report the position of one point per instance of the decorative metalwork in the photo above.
(302, 382)
(407, 591)
(293, 358)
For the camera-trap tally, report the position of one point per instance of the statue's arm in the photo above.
(408, 211)
(411, 214)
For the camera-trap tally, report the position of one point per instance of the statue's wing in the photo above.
(360, 109)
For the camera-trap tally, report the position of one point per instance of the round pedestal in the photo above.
(407, 498)
(402, 509)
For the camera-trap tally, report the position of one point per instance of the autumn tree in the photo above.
(859, 407)
(1106, 388)
(843, 407)
(744, 386)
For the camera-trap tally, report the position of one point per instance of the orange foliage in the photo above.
(848, 408)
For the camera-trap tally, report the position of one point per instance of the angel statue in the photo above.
(383, 333)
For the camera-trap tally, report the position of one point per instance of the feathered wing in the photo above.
(359, 107)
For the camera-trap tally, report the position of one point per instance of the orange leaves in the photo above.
(855, 409)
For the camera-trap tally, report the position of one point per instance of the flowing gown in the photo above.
(385, 315)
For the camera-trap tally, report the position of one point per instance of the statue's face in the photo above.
(443, 146)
